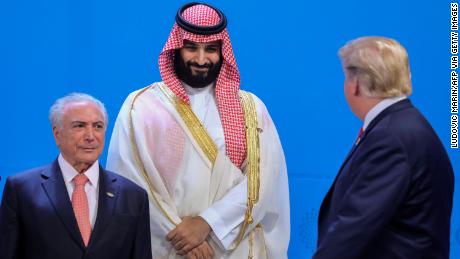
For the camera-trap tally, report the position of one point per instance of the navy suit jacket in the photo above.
(37, 220)
(392, 197)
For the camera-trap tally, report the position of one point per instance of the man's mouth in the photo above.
(200, 68)
(88, 149)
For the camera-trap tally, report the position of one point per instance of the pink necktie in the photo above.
(80, 207)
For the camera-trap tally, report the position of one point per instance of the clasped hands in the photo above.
(189, 238)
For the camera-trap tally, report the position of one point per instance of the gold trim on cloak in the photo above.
(252, 167)
(253, 146)
(138, 159)
(194, 124)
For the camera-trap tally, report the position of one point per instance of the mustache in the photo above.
(207, 65)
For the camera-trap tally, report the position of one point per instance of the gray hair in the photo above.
(56, 110)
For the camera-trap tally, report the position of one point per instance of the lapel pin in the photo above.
(110, 194)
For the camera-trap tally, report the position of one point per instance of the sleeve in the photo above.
(9, 223)
(272, 211)
(122, 159)
(142, 246)
(381, 177)
(226, 216)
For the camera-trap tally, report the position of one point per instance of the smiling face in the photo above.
(198, 64)
(81, 135)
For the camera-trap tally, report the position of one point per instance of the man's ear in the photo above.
(356, 86)
(56, 135)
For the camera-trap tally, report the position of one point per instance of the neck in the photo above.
(82, 167)
(194, 90)
(366, 104)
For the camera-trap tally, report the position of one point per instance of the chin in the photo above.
(89, 158)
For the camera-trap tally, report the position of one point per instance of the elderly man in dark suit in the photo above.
(392, 197)
(73, 208)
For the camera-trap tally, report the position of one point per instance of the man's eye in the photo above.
(212, 49)
(99, 126)
(78, 125)
(190, 47)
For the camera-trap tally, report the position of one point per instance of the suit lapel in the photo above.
(55, 189)
(108, 194)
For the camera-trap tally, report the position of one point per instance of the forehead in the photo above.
(202, 44)
(82, 111)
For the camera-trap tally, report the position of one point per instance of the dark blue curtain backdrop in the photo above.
(286, 52)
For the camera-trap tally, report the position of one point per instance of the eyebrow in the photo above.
(215, 44)
(85, 122)
(188, 42)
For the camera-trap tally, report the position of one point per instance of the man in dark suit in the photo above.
(74, 208)
(392, 197)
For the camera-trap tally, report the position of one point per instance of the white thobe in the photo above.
(226, 214)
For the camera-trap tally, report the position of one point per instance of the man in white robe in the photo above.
(207, 153)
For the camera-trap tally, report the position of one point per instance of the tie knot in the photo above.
(80, 179)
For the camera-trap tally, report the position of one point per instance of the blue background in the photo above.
(287, 55)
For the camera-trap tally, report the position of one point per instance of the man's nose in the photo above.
(89, 134)
(201, 57)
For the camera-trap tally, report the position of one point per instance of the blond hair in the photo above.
(381, 65)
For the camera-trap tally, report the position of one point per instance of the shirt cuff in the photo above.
(217, 225)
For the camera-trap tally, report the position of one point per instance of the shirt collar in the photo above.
(209, 89)
(377, 109)
(68, 172)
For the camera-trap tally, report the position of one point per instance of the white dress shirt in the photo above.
(222, 218)
(377, 109)
(91, 187)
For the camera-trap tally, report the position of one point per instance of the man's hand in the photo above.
(190, 233)
(202, 251)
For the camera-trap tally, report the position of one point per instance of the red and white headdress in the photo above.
(228, 82)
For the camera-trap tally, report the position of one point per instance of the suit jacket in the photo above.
(392, 197)
(37, 220)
